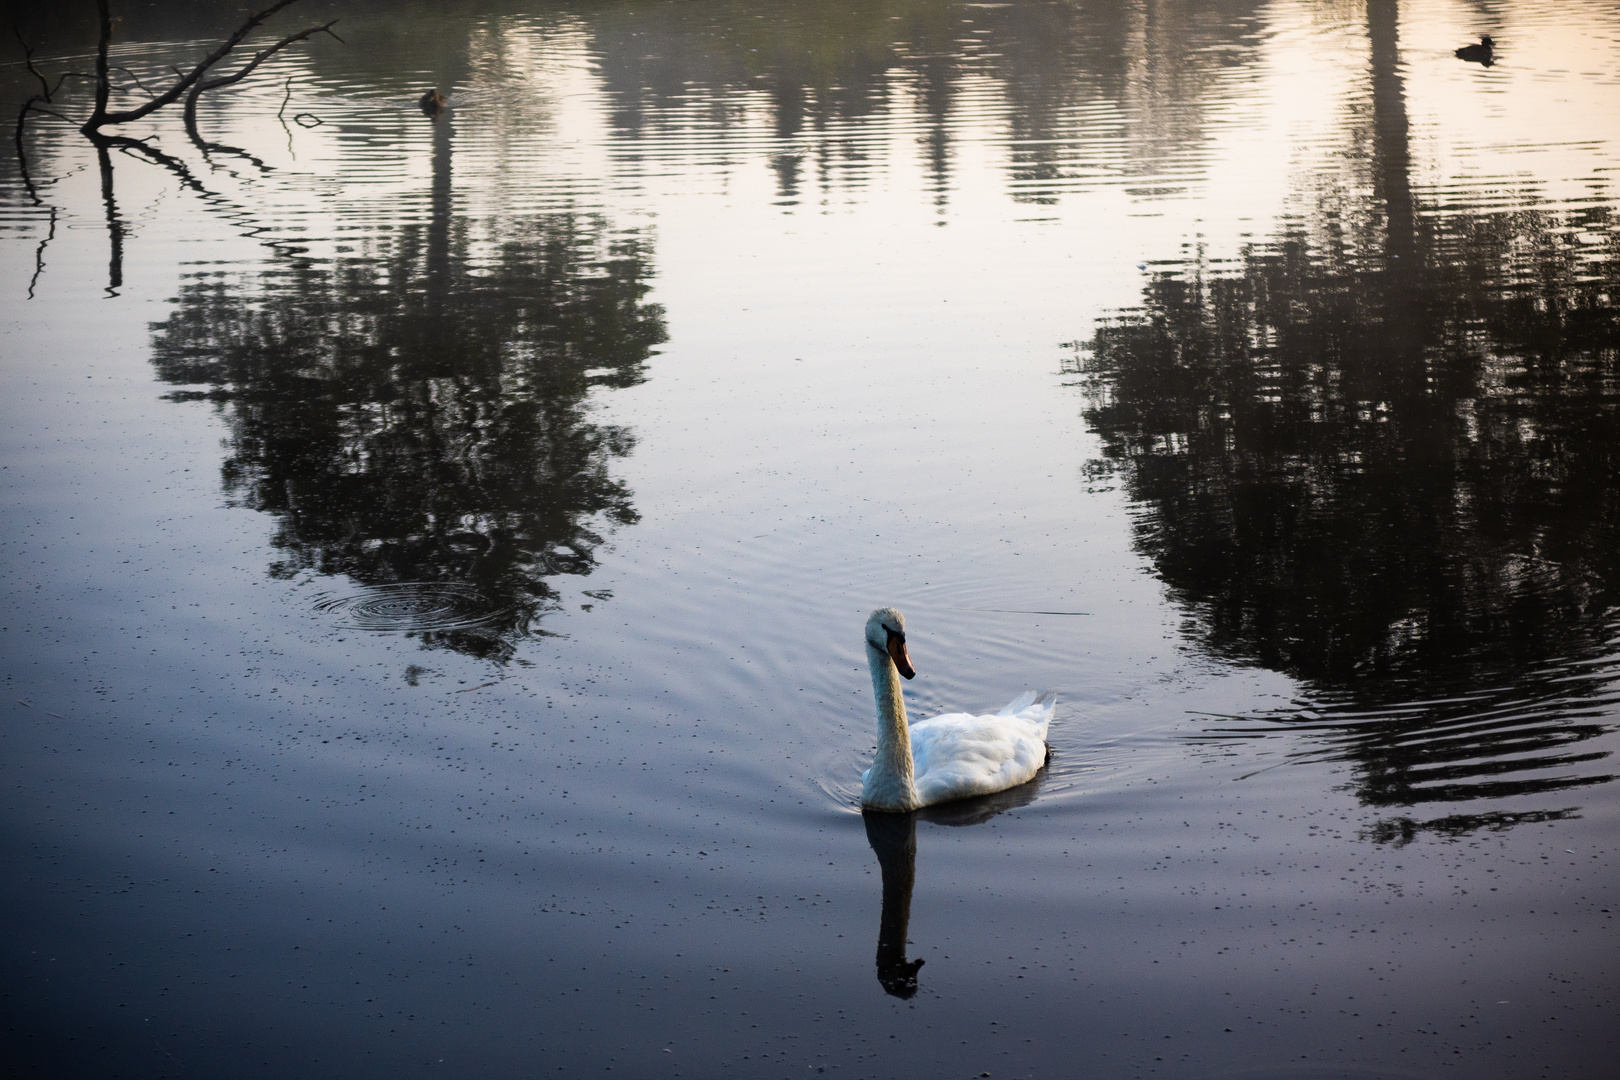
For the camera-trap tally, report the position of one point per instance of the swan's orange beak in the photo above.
(897, 653)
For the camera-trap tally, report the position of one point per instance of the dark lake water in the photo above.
(435, 551)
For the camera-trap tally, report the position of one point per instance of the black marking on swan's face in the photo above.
(881, 624)
(893, 638)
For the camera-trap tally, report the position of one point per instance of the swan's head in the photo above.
(886, 632)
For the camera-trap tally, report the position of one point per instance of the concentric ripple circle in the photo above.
(410, 607)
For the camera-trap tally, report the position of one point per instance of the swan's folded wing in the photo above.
(958, 755)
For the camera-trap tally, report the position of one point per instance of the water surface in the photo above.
(435, 549)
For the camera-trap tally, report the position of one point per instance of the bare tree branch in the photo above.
(100, 117)
(22, 164)
(65, 76)
(136, 78)
(28, 58)
(260, 57)
(31, 106)
(281, 115)
(47, 94)
(22, 151)
(98, 112)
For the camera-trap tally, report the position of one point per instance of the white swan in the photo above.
(950, 756)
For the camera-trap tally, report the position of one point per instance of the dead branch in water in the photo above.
(194, 81)
(247, 69)
(101, 116)
(47, 95)
(189, 84)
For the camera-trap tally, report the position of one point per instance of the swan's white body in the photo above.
(945, 757)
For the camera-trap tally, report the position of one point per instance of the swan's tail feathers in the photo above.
(1048, 709)
(1028, 701)
(1018, 704)
(1035, 710)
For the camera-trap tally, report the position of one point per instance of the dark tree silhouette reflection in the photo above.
(420, 414)
(1396, 480)
(1382, 458)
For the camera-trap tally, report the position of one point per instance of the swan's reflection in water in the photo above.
(894, 839)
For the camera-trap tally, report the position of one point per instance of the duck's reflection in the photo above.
(894, 840)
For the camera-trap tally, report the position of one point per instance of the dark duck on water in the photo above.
(1483, 53)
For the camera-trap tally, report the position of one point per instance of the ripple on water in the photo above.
(412, 607)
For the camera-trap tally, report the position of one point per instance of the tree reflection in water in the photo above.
(1396, 483)
(420, 414)
(1382, 459)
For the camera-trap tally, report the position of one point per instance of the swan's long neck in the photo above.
(889, 786)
